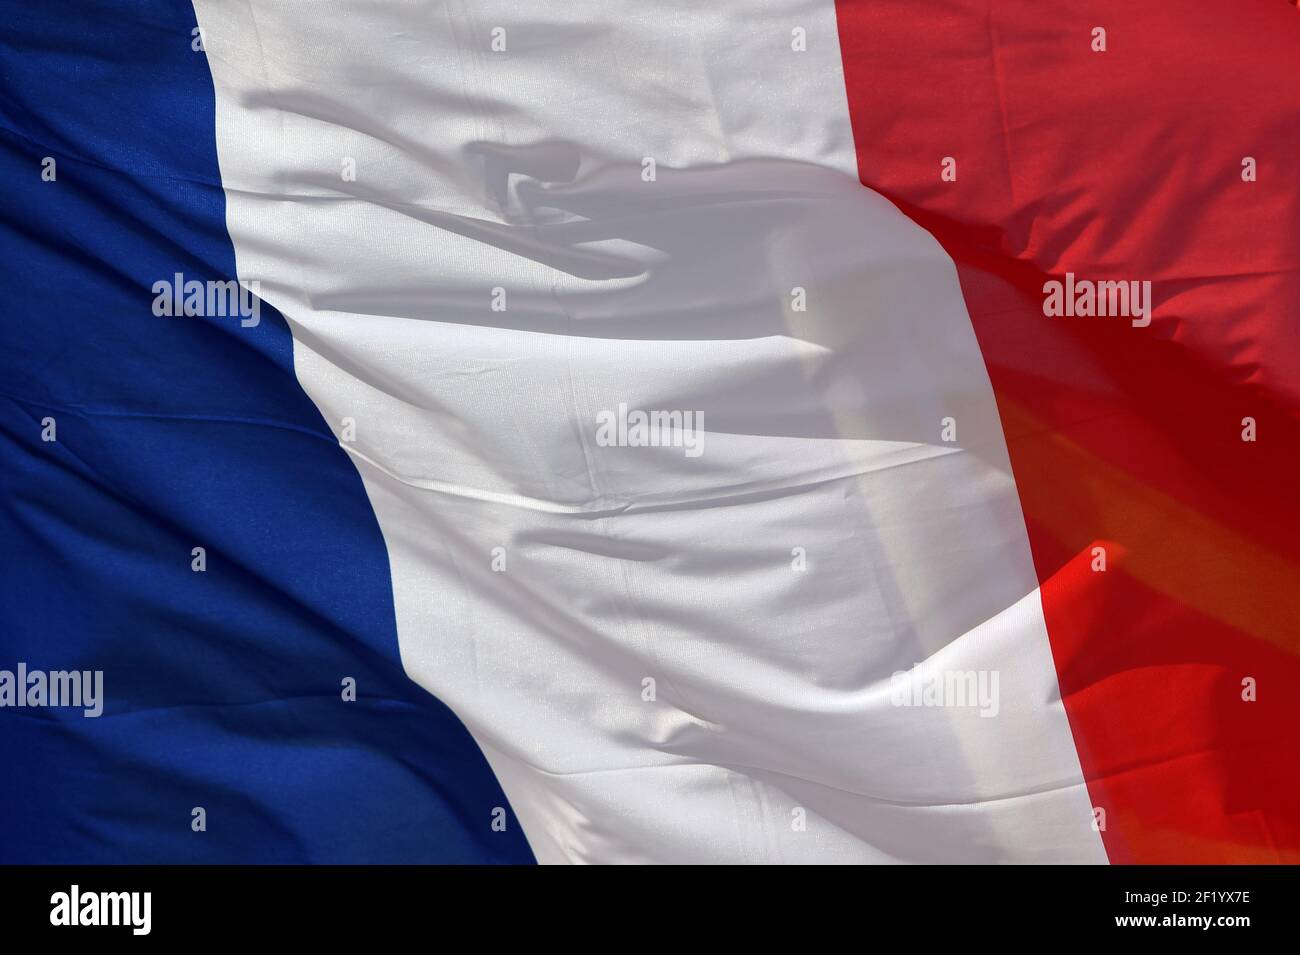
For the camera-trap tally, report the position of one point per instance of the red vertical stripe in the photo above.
(1127, 164)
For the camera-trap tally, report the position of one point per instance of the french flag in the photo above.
(796, 431)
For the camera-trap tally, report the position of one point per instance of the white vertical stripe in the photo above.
(476, 429)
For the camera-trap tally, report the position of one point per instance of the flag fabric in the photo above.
(783, 432)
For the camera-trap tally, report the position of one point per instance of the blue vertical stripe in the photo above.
(222, 688)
